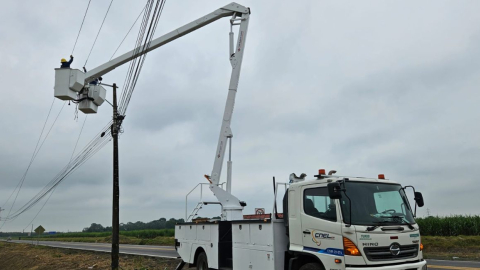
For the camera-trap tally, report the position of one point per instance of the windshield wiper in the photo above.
(406, 222)
(402, 218)
(371, 228)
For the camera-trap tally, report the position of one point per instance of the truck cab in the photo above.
(336, 222)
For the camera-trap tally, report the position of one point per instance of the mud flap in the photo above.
(180, 265)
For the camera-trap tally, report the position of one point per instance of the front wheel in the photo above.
(202, 263)
(311, 266)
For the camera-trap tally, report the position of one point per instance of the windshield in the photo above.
(375, 204)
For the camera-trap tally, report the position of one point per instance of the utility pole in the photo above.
(116, 190)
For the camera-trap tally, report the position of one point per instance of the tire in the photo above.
(202, 263)
(312, 266)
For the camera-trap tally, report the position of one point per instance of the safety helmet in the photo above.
(63, 60)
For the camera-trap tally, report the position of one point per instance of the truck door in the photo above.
(321, 227)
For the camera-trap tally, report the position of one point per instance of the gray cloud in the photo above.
(364, 88)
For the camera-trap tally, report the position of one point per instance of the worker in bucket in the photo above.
(95, 81)
(66, 64)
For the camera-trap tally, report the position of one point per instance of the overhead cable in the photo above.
(137, 49)
(35, 150)
(143, 44)
(97, 143)
(89, 151)
(81, 25)
(127, 33)
(31, 161)
(150, 33)
(95, 41)
(53, 190)
(79, 135)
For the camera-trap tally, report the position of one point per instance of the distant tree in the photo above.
(171, 223)
(94, 228)
(159, 224)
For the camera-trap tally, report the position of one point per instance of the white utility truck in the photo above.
(330, 222)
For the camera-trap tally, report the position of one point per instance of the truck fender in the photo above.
(298, 259)
(197, 252)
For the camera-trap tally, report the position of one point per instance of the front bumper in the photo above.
(418, 266)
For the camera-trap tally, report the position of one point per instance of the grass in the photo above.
(25, 256)
(159, 240)
(138, 234)
(447, 247)
(436, 247)
(144, 237)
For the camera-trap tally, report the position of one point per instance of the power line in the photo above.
(33, 155)
(135, 68)
(40, 210)
(141, 32)
(127, 33)
(79, 135)
(53, 190)
(95, 41)
(97, 143)
(81, 27)
(31, 161)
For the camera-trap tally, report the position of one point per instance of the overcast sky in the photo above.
(362, 87)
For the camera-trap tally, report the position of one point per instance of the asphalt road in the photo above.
(169, 252)
(153, 251)
(455, 265)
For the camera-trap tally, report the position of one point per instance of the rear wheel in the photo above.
(311, 266)
(202, 263)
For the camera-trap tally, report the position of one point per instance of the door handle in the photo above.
(306, 232)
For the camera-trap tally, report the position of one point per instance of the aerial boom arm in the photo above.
(231, 206)
(225, 11)
(225, 131)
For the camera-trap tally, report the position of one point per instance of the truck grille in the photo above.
(383, 253)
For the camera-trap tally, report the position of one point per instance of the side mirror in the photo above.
(419, 199)
(334, 191)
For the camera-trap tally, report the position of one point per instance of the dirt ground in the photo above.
(25, 256)
(452, 247)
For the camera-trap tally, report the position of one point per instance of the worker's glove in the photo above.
(71, 56)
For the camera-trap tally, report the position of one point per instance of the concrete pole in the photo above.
(116, 189)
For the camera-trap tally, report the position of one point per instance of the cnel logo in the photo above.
(318, 236)
(323, 236)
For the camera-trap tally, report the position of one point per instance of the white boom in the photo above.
(228, 10)
(240, 15)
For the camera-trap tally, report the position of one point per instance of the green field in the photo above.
(147, 234)
(140, 237)
(450, 226)
(443, 237)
